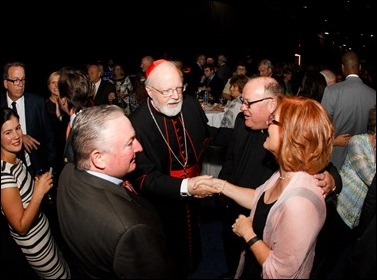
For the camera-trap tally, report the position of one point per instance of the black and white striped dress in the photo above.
(38, 244)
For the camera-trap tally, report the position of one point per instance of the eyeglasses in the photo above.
(17, 82)
(169, 92)
(248, 104)
(271, 120)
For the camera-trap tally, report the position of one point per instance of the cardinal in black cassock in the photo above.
(160, 174)
(174, 143)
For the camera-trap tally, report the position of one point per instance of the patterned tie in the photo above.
(126, 184)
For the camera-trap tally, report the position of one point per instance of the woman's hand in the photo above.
(43, 183)
(243, 227)
(63, 103)
(204, 185)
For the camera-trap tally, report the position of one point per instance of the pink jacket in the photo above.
(292, 227)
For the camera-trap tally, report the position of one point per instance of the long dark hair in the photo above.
(6, 114)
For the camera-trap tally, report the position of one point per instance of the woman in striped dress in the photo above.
(21, 198)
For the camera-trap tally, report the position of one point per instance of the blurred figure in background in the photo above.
(237, 83)
(101, 88)
(329, 76)
(39, 147)
(139, 83)
(59, 119)
(124, 95)
(240, 70)
(74, 89)
(348, 100)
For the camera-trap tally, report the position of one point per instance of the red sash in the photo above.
(188, 172)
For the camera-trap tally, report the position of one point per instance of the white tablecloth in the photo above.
(214, 117)
(214, 158)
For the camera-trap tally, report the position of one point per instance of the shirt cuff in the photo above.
(184, 186)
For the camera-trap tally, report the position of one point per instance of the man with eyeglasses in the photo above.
(38, 140)
(248, 164)
(173, 130)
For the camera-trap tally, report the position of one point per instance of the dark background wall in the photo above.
(62, 33)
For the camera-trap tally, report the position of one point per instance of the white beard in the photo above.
(164, 109)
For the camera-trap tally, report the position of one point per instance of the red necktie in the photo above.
(126, 184)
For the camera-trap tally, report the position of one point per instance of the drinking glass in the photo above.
(47, 198)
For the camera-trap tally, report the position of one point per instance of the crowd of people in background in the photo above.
(300, 150)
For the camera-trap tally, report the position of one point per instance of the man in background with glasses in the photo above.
(172, 128)
(248, 164)
(38, 139)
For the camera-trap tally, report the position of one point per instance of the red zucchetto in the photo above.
(153, 65)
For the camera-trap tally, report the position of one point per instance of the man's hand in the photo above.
(326, 182)
(198, 188)
(30, 143)
(342, 140)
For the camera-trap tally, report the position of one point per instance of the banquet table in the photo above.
(214, 116)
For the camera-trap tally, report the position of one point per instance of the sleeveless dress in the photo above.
(38, 244)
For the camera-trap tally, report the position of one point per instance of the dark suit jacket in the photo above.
(105, 87)
(224, 73)
(369, 207)
(361, 263)
(111, 232)
(216, 85)
(193, 78)
(38, 125)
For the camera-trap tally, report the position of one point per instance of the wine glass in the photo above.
(221, 100)
(47, 198)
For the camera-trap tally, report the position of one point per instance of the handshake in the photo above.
(205, 185)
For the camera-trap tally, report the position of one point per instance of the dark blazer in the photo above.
(216, 85)
(111, 232)
(369, 207)
(59, 128)
(105, 87)
(193, 78)
(38, 126)
(224, 73)
(361, 262)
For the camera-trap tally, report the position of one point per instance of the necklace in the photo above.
(166, 142)
(281, 178)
